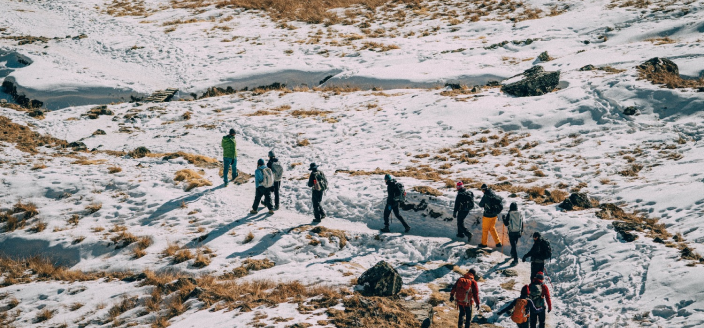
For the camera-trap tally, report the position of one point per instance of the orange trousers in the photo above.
(489, 226)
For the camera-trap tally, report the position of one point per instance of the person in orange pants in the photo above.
(492, 204)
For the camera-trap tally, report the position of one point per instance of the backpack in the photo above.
(545, 251)
(268, 178)
(514, 221)
(467, 203)
(535, 293)
(320, 183)
(278, 170)
(519, 311)
(463, 291)
(401, 197)
(493, 205)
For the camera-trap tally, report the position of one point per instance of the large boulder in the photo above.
(577, 200)
(624, 229)
(533, 82)
(381, 280)
(658, 66)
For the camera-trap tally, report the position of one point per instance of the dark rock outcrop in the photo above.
(630, 110)
(624, 230)
(381, 280)
(535, 82)
(139, 152)
(576, 200)
(96, 111)
(78, 146)
(659, 65)
(10, 88)
(589, 67)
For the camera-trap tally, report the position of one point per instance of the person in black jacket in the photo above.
(392, 200)
(492, 204)
(318, 183)
(537, 262)
(526, 307)
(464, 202)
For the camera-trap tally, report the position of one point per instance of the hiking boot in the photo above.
(498, 245)
(481, 245)
(225, 183)
(469, 237)
(276, 208)
(316, 220)
(514, 262)
(460, 235)
(385, 229)
(253, 212)
(271, 212)
(408, 228)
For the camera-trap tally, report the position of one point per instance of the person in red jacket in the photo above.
(539, 293)
(466, 291)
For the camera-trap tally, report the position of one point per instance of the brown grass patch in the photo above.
(182, 256)
(248, 238)
(44, 315)
(29, 209)
(330, 233)
(125, 305)
(632, 170)
(24, 138)
(302, 143)
(192, 179)
(637, 221)
(195, 159)
(38, 227)
(425, 190)
(309, 113)
(75, 306)
(114, 169)
(170, 250)
(38, 166)
(93, 207)
(250, 265)
(201, 260)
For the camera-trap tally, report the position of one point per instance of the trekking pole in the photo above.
(503, 241)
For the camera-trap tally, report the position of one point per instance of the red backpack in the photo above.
(519, 311)
(463, 291)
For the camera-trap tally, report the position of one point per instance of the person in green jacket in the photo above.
(229, 147)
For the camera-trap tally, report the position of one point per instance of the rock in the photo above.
(544, 56)
(493, 84)
(624, 230)
(476, 89)
(76, 290)
(139, 152)
(701, 89)
(658, 240)
(136, 277)
(78, 146)
(589, 67)
(630, 110)
(453, 86)
(477, 252)
(99, 132)
(423, 312)
(580, 200)
(586, 42)
(659, 65)
(533, 82)
(3, 101)
(509, 273)
(381, 280)
(36, 113)
(663, 311)
(610, 211)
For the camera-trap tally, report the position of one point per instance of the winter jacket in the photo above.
(545, 294)
(514, 221)
(489, 198)
(312, 177)
(535, 251)
(474, 299)
(464, 201)
(229, 146)
(269, 164)
(509, 307)
(259, 176)
(392, 192)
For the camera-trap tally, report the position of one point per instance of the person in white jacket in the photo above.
(514, 221)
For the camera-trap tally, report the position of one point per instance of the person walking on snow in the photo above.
(520, 308)
(318, 184)
(492, 205)
(514, 221)
(263, 180)
(395, 194)
(466, 291)
(229, 157)
(538, 254)
(539, 293)
(464, 202)
(278, 171)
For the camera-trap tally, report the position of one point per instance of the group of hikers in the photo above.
(529, 308)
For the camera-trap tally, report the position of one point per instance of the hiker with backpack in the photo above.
(539, 293)
(263, 180)
(466, 292)
(514, 221)
(229, 157)
(464, 202)
(395, 194)
(539, 253)
(492, 205)
(520, 309)
(278, 171)
(318, 184)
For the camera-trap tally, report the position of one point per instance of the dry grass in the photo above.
(201, 260)
(330, 233)
(632, 170)
(182, 256)
(125, 305)
(170, 250)
(85, 161)
(248, 238)
(667, 79)
(38, 166)
(75, 306)
(93, 207)
(638, 221)
(309, 113)
(195, 159)
(192, 179)
(44, 315)
(302, 143)
(38, 227)
(29, 209)
(138, 253)
(24, 138)
(114, 169)
(425, 190)
(250, 265)
(41, 269)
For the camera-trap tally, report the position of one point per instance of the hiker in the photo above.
(263, 180)
(464, 202)
(491, 202)
(539, 293)
(520, 309)
(466, 291)
(540, 252)
(395, 195)
(229, 157)
(319, 184)
(278, 171)
(514, 221)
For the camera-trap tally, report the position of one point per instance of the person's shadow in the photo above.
(176, 203)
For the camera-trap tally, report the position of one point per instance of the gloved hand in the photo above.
(524, 259)
(477, 307)
(549, 310)
(454, 215)
(452, 298)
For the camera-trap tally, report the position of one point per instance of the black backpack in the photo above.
(401, 196)
(467, 200)
(545, 251)
(494, 205)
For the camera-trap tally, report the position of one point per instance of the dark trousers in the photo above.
(275, 188)
(387, 214)
(513, 238)
(535, 317)
(461, 229)
(261, 191)
(318, 211)
(536, 267)
(524, 325)
(465, 311)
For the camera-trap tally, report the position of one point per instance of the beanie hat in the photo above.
(460, 185)
(260, 162)
(271, 153)
(536, 234)
(232, 131)
(472, 271)
(540, 275)
(484, 186)
(524, 291)
(513, 207)
(388, 177)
